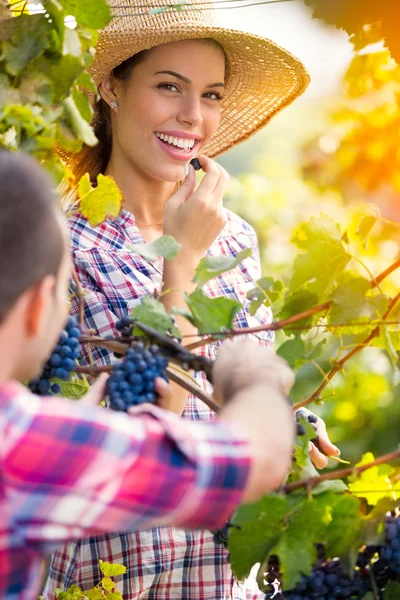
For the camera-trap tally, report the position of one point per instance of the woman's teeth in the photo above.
(185, 144)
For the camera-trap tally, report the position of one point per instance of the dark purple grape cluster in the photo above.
(132, 380)
(328, 579)
(61, 362)
(124, 326)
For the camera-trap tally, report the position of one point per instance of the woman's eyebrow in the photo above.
(185, 79)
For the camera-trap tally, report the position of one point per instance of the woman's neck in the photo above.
(145, 198)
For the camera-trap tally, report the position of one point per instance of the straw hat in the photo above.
(262, 78)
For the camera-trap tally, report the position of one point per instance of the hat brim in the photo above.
(263, 77)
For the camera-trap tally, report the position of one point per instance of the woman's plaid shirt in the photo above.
(162, 563)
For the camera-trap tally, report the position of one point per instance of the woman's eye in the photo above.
(168, 86)
(213, 96)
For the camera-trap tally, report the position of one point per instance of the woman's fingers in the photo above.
(318, 459)
(210, 180)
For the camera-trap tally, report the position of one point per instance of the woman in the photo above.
(173, 86)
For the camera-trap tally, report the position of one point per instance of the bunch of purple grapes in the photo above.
(133, 379)
(61, 362)
(328, 579)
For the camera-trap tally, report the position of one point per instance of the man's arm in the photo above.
(71, 471)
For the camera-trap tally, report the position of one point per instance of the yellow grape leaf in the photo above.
(108, 584)
(98, 203)
(374, 483)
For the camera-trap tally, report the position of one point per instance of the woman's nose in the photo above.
(191, 111)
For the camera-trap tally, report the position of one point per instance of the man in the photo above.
(70, 470)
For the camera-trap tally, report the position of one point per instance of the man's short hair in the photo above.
(31, 241)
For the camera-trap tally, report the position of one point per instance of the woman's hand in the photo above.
(196, 217)
(319, 455)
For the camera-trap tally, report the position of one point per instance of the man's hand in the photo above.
(243, 363)
(97, 392)
(253, 384)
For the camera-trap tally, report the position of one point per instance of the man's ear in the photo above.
(38, 299)
(107, 89)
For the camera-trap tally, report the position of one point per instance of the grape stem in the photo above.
(80, 296)
(341, 474)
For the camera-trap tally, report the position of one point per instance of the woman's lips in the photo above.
(177, 153)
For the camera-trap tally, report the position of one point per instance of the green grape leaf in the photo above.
(392, 591)
(372, 525)
(86, 82)
(27, 44)
(351, 303)
(165, 246)
(388, 340)
(335, 485)
(374, 483)
(91, 14)
(73, 389)
(96, 204)
(62, 72)
(296, 303)
(115, 596)
(297, 352)
(344, 528)
(211, 314)
(324, 258)
(36, 88)
(212, 266)
(267, 292)
(259, 526)
(79, 126)
(111, 569)
(82, 103)
(301, 453)
(365, 226)
(296, 546)
(107, 584)
(152, 312)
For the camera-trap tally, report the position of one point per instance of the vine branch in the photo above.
(212, 337)
(340, 474)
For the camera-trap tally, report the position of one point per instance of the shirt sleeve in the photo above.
(72, 471)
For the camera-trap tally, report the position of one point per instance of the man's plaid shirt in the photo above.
(68, 470)
(162, 563)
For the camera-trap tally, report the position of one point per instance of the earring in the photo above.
(113, 105)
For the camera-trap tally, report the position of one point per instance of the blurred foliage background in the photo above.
(339, 156)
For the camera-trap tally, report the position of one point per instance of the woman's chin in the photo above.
(170, 174)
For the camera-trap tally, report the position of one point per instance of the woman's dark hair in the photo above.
(94, 159)
(31, 241)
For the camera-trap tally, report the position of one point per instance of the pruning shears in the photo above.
(176, 353)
